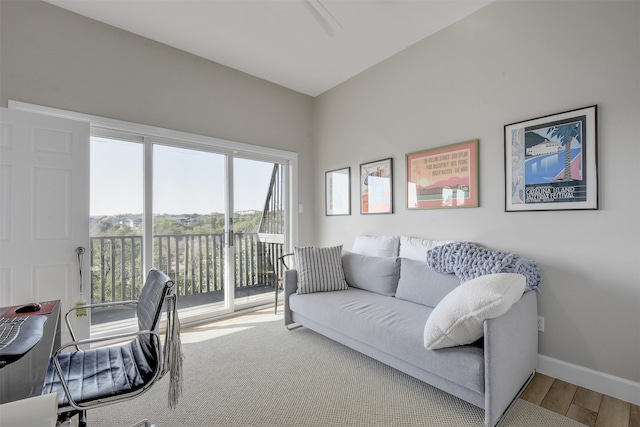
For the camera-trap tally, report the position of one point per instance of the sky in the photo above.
(185, 181)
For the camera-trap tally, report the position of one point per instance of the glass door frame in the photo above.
(157, 135)
(287, 217)
(204, 311)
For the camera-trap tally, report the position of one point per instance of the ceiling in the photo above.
(308, 46)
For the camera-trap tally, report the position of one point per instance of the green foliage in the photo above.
(131, 225)
(179, 240)
(246, 223)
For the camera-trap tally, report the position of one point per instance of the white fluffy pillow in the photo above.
(379, 246)
(458, 319)
(416, 248)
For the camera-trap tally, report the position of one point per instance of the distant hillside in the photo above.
(131, 224)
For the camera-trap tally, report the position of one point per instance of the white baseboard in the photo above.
(613, 386)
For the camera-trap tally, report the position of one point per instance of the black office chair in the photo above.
(86, 379)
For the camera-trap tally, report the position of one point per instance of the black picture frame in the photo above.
(551, 162)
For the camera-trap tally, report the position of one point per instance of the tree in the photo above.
(566, 134)
(168, 226)
(247, 223)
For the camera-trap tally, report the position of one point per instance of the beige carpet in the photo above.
(251, 371)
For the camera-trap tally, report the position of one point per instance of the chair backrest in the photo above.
(149, 309)
(282, 257)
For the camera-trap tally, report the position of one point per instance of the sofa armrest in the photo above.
(290, 287)
(510, 355)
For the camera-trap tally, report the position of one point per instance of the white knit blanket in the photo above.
(467, 261)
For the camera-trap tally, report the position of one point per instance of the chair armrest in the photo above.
(91, 306)
(290, 287)
(103, 304)
(510, 355)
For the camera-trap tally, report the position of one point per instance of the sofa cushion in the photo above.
(394, 327)
(416, 248)
(374, 274)
(379, 246)
(460, 316)
(319, 269)
(420, 284)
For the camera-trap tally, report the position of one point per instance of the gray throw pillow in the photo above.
(374, 274)
(420, 284)
(319, 269)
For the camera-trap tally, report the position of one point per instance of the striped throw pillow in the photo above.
(319, 269)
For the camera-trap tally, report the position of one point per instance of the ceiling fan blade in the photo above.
(324, 18)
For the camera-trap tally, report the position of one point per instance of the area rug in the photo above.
(252, 371)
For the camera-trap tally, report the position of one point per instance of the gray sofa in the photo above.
(383, 312)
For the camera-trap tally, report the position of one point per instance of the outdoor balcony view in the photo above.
(190, 247)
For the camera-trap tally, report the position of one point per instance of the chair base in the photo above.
(65, 420)
(144, 423)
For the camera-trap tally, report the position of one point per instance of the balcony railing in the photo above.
(196, 263)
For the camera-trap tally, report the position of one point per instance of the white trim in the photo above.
(160, 133)
(601, 382)
(249, 150)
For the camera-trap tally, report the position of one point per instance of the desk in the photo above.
(25, 377)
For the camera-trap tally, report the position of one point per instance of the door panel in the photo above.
(44, 167)
(189, 215)
(259, 227)
(116, 228)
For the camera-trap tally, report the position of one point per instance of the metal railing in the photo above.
(196, 263)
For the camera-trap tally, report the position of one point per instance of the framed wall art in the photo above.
(551, 162)
(337, 199)
(376, 187)
(443, 177)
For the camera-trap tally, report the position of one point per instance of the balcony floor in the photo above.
(112, 314)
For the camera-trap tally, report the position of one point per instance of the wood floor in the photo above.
(585, 406)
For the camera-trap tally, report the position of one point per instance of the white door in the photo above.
(44, 211)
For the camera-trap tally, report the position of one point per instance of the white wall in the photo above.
(509, 62)
(59, 59)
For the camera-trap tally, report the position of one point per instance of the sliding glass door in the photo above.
(215, 222)
(189, 225)
(116, 226)
(259, 224)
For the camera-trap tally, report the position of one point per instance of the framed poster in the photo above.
(337, 200)
(376, 187)
(550, 162)
(443, 177)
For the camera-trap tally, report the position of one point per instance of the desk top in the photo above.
(25, 377)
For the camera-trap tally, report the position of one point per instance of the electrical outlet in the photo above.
(540, 324)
